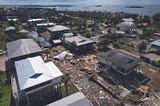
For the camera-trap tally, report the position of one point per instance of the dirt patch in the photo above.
(2, 62)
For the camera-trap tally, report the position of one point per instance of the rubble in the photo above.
(79, 68)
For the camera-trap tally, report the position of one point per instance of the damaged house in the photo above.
(123, 68)
(79, 43)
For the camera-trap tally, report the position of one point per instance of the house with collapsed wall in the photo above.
(37, 82)
(119, 61)
(122, 68)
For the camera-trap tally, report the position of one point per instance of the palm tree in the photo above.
(73, 46)
(66, 79)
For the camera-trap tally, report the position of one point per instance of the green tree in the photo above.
(66, 79)
(148, 32)
(102, 44)
(142, 46)
(146, 19)
(156, 17)
(109, 31)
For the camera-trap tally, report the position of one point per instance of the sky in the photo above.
(101, 2)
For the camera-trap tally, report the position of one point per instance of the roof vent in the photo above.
(36, 75)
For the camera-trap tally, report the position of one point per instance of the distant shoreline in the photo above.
(134, 7)
(148, 10)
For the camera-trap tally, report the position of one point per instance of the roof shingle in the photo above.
(22, 47)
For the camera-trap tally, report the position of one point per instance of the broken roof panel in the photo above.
(22, 47)
(34, 71)
(155, 43)
(62, 55)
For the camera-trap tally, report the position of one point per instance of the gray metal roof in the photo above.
(22, 47)
(58, 28)
(121, 59)
(76, 99)
(79, 40)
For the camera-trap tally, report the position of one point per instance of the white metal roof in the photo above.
(38, 19)
(76, 99)
(128, 19)
(58, 28)
(33, 71)
(45, 24)
(125, 24)
(13, 19)
(10, 28)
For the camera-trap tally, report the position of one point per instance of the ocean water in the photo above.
(151, 7)
(149, 10)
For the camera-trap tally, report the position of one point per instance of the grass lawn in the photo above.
(45, 34)
(71, 90)
(5, 91)
(154, 74)
(2, 44)
(2, 39)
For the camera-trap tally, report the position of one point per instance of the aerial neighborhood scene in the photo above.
(79, 53)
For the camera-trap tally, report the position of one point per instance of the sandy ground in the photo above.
(3, 58)
(152, 56)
